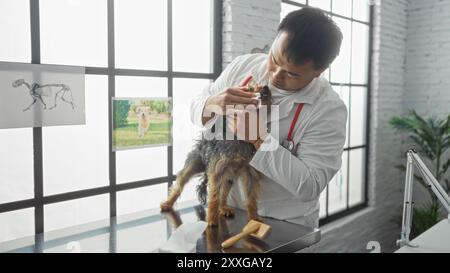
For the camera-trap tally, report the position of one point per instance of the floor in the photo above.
(354, 236)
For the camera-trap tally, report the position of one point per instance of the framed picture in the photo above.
(34, 95)
(141, 122)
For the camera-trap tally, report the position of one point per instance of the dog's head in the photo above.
(264, 95)
(142, 111)
(18, 82)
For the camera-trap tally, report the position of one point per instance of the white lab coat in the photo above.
(291, 185)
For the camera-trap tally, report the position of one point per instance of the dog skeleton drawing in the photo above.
(36, 93)
(221, 162)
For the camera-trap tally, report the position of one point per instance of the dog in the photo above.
(143, 114)
(221, 162)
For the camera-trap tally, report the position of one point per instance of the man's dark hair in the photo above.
(312, 35)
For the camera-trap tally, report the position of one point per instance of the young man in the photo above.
(306, 157)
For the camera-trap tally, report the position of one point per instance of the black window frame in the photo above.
(366, 147)
(39, 200)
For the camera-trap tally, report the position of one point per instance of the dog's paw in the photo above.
(226, 211)
(166, 206)
(256, 218)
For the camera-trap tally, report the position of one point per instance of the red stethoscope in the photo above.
(287, 143)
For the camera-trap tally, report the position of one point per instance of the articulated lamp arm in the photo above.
(413, 159)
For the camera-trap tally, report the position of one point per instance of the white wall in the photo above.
(248, 24)
(427, 86)
(388, 83)
(427, 77)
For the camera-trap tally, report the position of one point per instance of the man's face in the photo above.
(285, 75)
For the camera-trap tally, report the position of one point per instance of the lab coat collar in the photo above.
(306, 95)
(309, 93)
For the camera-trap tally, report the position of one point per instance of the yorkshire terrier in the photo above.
(222, 162)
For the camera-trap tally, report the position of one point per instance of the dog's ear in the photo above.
(137, 110)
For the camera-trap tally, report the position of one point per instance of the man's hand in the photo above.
(216, 105)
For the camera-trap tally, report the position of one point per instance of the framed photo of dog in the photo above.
(141, 122)
(35, 95)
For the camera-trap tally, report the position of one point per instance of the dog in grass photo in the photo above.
(141, 122)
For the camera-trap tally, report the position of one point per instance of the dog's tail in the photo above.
(202, 192)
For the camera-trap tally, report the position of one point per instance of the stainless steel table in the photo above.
(147, 231)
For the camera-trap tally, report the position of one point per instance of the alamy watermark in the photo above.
(245, 122)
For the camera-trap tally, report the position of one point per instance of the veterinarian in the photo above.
(311, 121)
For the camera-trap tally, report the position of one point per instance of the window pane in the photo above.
(76, 157)
(322, 4)
(141, 34)
(357, 159)
(285, 9)
(183, 92)
(323, 204)
(74, 32)
(344, 94)
(130, 86)
(340, 68)
(360, 48)
(337, 193)
(15, 45)
(358, 116)
(361, 10)
(16, 224)
(76, 212)
(140, 199)
(342, 7)
(16, 165)
(189, 55)
(141, 164)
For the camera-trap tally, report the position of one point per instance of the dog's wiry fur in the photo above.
(222, 162)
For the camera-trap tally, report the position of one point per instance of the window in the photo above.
(76, 157)
(141, 34)
(130, 48)
(348, 75)
(16, 166)
(192, 36)
(73, 32)
(82, 210)
(15, 31)
(20, 223)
